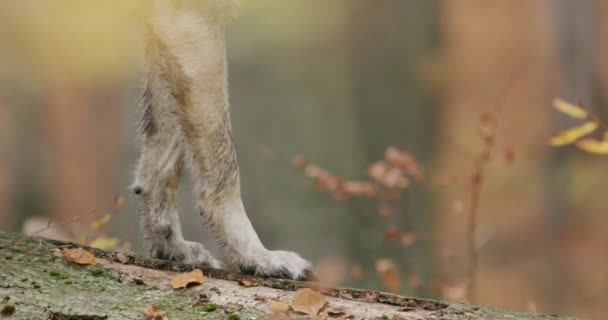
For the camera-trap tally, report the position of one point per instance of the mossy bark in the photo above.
(36, 282)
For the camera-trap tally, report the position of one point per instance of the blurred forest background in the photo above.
(465, 87)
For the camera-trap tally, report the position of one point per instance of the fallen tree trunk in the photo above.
(37, 282)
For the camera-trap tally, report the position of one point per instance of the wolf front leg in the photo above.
(193, 50)
(160, 166)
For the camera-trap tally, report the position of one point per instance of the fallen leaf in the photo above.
(593, 146)
(571, 135)
(278, 307)
(79, 256)
(247, 283)
(153, 313)
(308, 302)
(182, 280)
(570, 109)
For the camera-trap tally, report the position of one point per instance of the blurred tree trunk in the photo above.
(390, 42)
(498, 55)
(82, 129)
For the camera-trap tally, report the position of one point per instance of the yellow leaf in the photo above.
(571, 135)
(104, 243)
(570, 109)
(182, 280)
(593, 146)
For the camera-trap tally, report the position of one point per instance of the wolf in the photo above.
(185, 123)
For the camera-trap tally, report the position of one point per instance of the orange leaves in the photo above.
(79, 256)
(581, 132)
(338, 186)
(182, 280)
(387, 181)
(391, 174)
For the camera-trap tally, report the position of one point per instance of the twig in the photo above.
(477, 183)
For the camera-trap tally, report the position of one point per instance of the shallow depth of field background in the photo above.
(337, 83)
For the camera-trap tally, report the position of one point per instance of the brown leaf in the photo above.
(153, 313)
(79, 256)
(182, 280)
(247, 283)
(308, 302)
(278, 307)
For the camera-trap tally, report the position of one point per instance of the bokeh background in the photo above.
(337, 83)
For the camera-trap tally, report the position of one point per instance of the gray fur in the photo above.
(186, 121)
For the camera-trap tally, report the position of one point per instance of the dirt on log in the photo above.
(37, 282)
